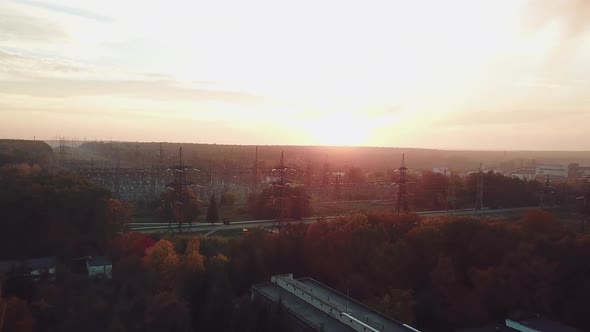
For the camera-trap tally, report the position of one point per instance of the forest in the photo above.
(438, 274)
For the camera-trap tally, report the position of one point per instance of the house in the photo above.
(99, 267)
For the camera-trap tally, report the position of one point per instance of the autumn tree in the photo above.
(163, 260)
(130, 244)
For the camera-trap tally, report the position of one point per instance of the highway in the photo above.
(149, 228)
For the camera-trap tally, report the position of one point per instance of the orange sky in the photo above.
(457, 74)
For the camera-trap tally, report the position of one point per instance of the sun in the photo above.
(338, 130)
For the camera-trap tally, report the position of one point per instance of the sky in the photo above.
(452, 74)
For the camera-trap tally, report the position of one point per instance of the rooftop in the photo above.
(99, 261)
(540, 325)
(335, 304)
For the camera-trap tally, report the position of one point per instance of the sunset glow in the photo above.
(379, 73)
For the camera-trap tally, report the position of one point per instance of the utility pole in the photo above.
(479, 193)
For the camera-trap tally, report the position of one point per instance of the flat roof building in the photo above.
(320, 308)
(531, 325)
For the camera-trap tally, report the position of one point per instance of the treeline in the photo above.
(49, 214)
(433, 190)
(183, 283)
(13, 152)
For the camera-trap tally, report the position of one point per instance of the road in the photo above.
(148, 228)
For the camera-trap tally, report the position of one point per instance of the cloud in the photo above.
(478, 118)
(43, 77)
(25, 66)
(15, 26)
(572, 16)
(158, 90)
(67, 10)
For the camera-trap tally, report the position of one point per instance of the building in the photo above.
(553, 171)
(99, 267)
(35, 268)
(442, 170)
(539, 325)
(526, 173)
(532, 325)
(575, 171)
(316, 307)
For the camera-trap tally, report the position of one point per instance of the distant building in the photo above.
(316, 307)
(553, 171)
(575, 171)
(99, 267)
(442, 170)
(528, 173)
(35, 268)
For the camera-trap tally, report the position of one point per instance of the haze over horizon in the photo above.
(455, 74)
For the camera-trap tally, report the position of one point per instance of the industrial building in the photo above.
(552, 171)
(316, 307)
(576, 172)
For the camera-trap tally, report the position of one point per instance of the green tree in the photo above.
(212, 211)
(179, 207)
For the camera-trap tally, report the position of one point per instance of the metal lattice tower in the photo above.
(180, 188)
(325, 178)
(338, 185)
(585, 209)
(479, 193)
(401, 195)
(62, 150)
(279, 191)
(255, 173)
(451, 195)
(547, 193)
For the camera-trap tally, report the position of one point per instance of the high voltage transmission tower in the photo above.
(401, 195)
(278, 187)
(325, 179)
(479, 193)
(179, 204)
(255, 173)
(450, 204)
(546, 196)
